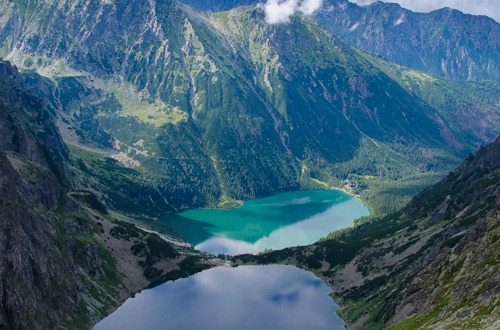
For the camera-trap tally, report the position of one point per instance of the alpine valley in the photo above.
(114, 113)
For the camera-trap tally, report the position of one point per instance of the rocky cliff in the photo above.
(444, 42)
(64, 261)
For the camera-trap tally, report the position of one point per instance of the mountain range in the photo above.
(444, 42)
(220, 107)
(145, 107)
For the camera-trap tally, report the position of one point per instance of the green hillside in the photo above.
(207, 108)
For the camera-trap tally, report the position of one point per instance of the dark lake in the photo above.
(245, 297)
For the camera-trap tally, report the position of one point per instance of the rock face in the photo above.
(33, 268)
(445, 42)
(64, 261)
(459, 284)
(434, 264)
(28, 122)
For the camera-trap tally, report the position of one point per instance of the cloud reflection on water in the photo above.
(296, 201)
(304, 232)
(246, 297)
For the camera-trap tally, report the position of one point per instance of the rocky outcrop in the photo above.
(28, 121)
(64, 261)
(31, 265)
(36, 271)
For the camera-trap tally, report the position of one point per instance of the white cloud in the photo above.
(309, 7)
(489, 8)
(279, 11)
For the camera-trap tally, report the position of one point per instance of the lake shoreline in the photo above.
(279, 221)
(346, 191)
(239, 203)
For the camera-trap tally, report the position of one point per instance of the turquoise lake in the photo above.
(246, 297)
(275, 222)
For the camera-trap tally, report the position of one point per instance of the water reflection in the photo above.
(275, 222)
(246, 297)
(304, 232)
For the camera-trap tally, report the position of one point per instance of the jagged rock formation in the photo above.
(434, 264)
(444, 42)
(64, 261)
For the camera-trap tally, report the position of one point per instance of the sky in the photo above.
(489, 8)
(279, 11)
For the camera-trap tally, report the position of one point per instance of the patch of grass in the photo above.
(155, 112)
(81, 320)
(368, 309)
(112, 278)
(414, 323)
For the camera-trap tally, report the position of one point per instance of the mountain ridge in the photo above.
(444, 42)
(64, 259)
(205, 90)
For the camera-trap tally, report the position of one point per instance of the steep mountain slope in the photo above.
(219, 5)
(434, 264)
(207, 108)
(28, 147)
(445, 42)
(162, 106)
(469, 108)
(64, 261)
